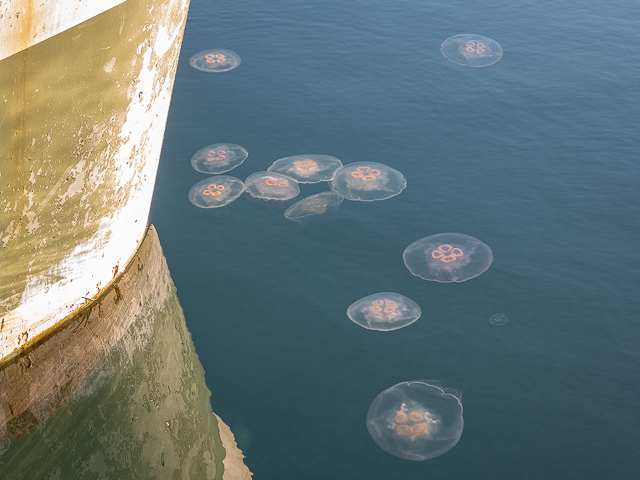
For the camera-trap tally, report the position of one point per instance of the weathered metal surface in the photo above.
(117, 391)
(24, 23)
(82, 119)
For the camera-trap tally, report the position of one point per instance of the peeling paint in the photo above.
(96, 155)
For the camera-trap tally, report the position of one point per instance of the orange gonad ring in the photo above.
(366, 174)
(447, 253)
(213, 190)
(404, 430)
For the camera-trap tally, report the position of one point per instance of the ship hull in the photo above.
(83, 110)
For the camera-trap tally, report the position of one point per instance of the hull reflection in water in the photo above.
(117, 392)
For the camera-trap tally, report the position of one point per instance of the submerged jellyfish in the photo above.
(217, 60)
(416, 420)
(271, 186)
(471, 50)
(384, 311)
(310, 168)
(218, 158)
(447, 257)
(216, 191)
(313, 205)
(498, 319)
(368, 181)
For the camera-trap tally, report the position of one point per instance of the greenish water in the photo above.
(143, 412)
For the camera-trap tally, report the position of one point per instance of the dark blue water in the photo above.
(537, 156)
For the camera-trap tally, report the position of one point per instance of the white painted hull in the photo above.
(77, 169)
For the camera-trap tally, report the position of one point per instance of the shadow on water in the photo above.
(117, 392)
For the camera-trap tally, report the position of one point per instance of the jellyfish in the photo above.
(498, 319)
(308, 168)
(416, 420)
(214, 61)
(471, 50)
(214, 192)
(368, 181)
(384, 311)
(218, 158)
(447, 257)
(317, 204)
(271, 186)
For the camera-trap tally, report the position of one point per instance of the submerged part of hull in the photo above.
(82, 119)
(116, 391)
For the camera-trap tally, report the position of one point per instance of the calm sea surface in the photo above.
(537, 156)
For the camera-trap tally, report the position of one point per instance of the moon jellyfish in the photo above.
(368, 181)
(498, 319)
(214, 61)
(416, 420)
(384, 311)
(218, 158)
(214, 192)
(307, 168)
(471, 50)
(447, 257)
(317, 204)
(271, 186)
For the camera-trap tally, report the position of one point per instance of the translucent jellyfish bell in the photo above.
(384, 311)
(271, 186)
(471, 50)
(317, 204)
(308, 168)
(447, 257)
(218, 158)
(498, 319)
(214, 61)
(368, 181)
(216, 191)
(416, 420)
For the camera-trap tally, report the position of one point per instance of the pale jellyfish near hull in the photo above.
(215, 61)
(447, 257)
(317, 204)
(214, 192)
(416, 420)
(384, 311)
(368, 181)
(471, 50)
(271, 186)
(308, 168)
(218, 158)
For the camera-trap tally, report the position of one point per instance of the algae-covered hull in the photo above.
(85, 88)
